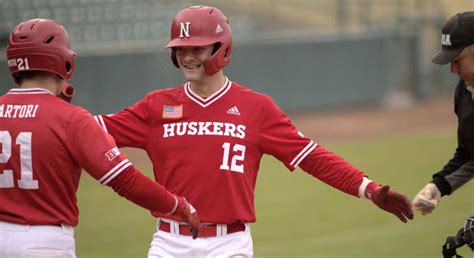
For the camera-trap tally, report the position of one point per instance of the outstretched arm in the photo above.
(429, 196)
(150, 195)
(454, 174)
(390, 201)
(427, 199)
(129, 127)
(97, 153)
(281, 139)
(340, 174)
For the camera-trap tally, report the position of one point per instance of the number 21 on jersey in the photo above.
(26, 178)
(238, 156)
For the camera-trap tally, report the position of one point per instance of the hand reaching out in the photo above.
(390, 201)
(427, 199)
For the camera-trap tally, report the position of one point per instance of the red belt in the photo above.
(204, 230)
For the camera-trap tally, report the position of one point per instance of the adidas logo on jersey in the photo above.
(233, 111)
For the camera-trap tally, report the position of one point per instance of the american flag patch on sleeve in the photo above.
(172, 111)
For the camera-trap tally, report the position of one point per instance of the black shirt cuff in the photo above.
(442, 184)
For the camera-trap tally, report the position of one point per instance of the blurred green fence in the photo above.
(306, 54)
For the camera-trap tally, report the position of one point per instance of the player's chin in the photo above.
(192, 75)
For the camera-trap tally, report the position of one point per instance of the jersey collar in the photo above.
(29, 91)
(209, 100)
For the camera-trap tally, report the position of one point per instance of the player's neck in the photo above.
(208, 86)
(51, 84)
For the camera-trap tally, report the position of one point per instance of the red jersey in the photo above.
(209, 150)
(45, 142)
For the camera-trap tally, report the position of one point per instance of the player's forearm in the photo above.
(439, 179)
(453, 181)
(143, 191)
(333, 170)
(459, 158)
(461, 176)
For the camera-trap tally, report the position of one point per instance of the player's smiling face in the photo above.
(191, 60)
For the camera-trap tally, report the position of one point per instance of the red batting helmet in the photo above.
(40, 45)
(202, 26)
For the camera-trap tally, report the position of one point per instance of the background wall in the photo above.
(300, 74)
(354, 56)
(356, 77)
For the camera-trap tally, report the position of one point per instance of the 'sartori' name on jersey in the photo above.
(18, 111)
(203, 128)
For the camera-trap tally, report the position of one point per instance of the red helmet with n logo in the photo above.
(202, 26)
(40, 45)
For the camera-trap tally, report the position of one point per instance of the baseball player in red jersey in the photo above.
(46, 141)
(206, 137)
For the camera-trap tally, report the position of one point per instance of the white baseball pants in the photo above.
(26, 241)
(172, 244)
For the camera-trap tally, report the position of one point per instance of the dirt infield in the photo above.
(362, 123)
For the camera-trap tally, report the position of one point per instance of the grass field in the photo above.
(302, 217)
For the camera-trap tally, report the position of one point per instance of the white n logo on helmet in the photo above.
(184, 30)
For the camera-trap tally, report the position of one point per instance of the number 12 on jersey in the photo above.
(238, 155)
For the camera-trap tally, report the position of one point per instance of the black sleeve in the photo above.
(461, 176)
(453, 165)
(460, 157)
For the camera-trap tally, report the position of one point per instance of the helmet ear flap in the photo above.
(219, 59)
(228, 53)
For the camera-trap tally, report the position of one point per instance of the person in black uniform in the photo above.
(457, 41)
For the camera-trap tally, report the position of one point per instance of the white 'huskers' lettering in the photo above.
(18, 111)
(203, 128)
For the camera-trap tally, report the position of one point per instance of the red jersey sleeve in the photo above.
(280, 138)
(129, 127)
(97, 153)
(335, 171)
(93, 149)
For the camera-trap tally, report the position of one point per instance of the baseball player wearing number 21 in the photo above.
(44, 144)
(206, 137)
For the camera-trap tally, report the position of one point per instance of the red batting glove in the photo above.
(188, 214)
(391, 201)
(67, 92)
